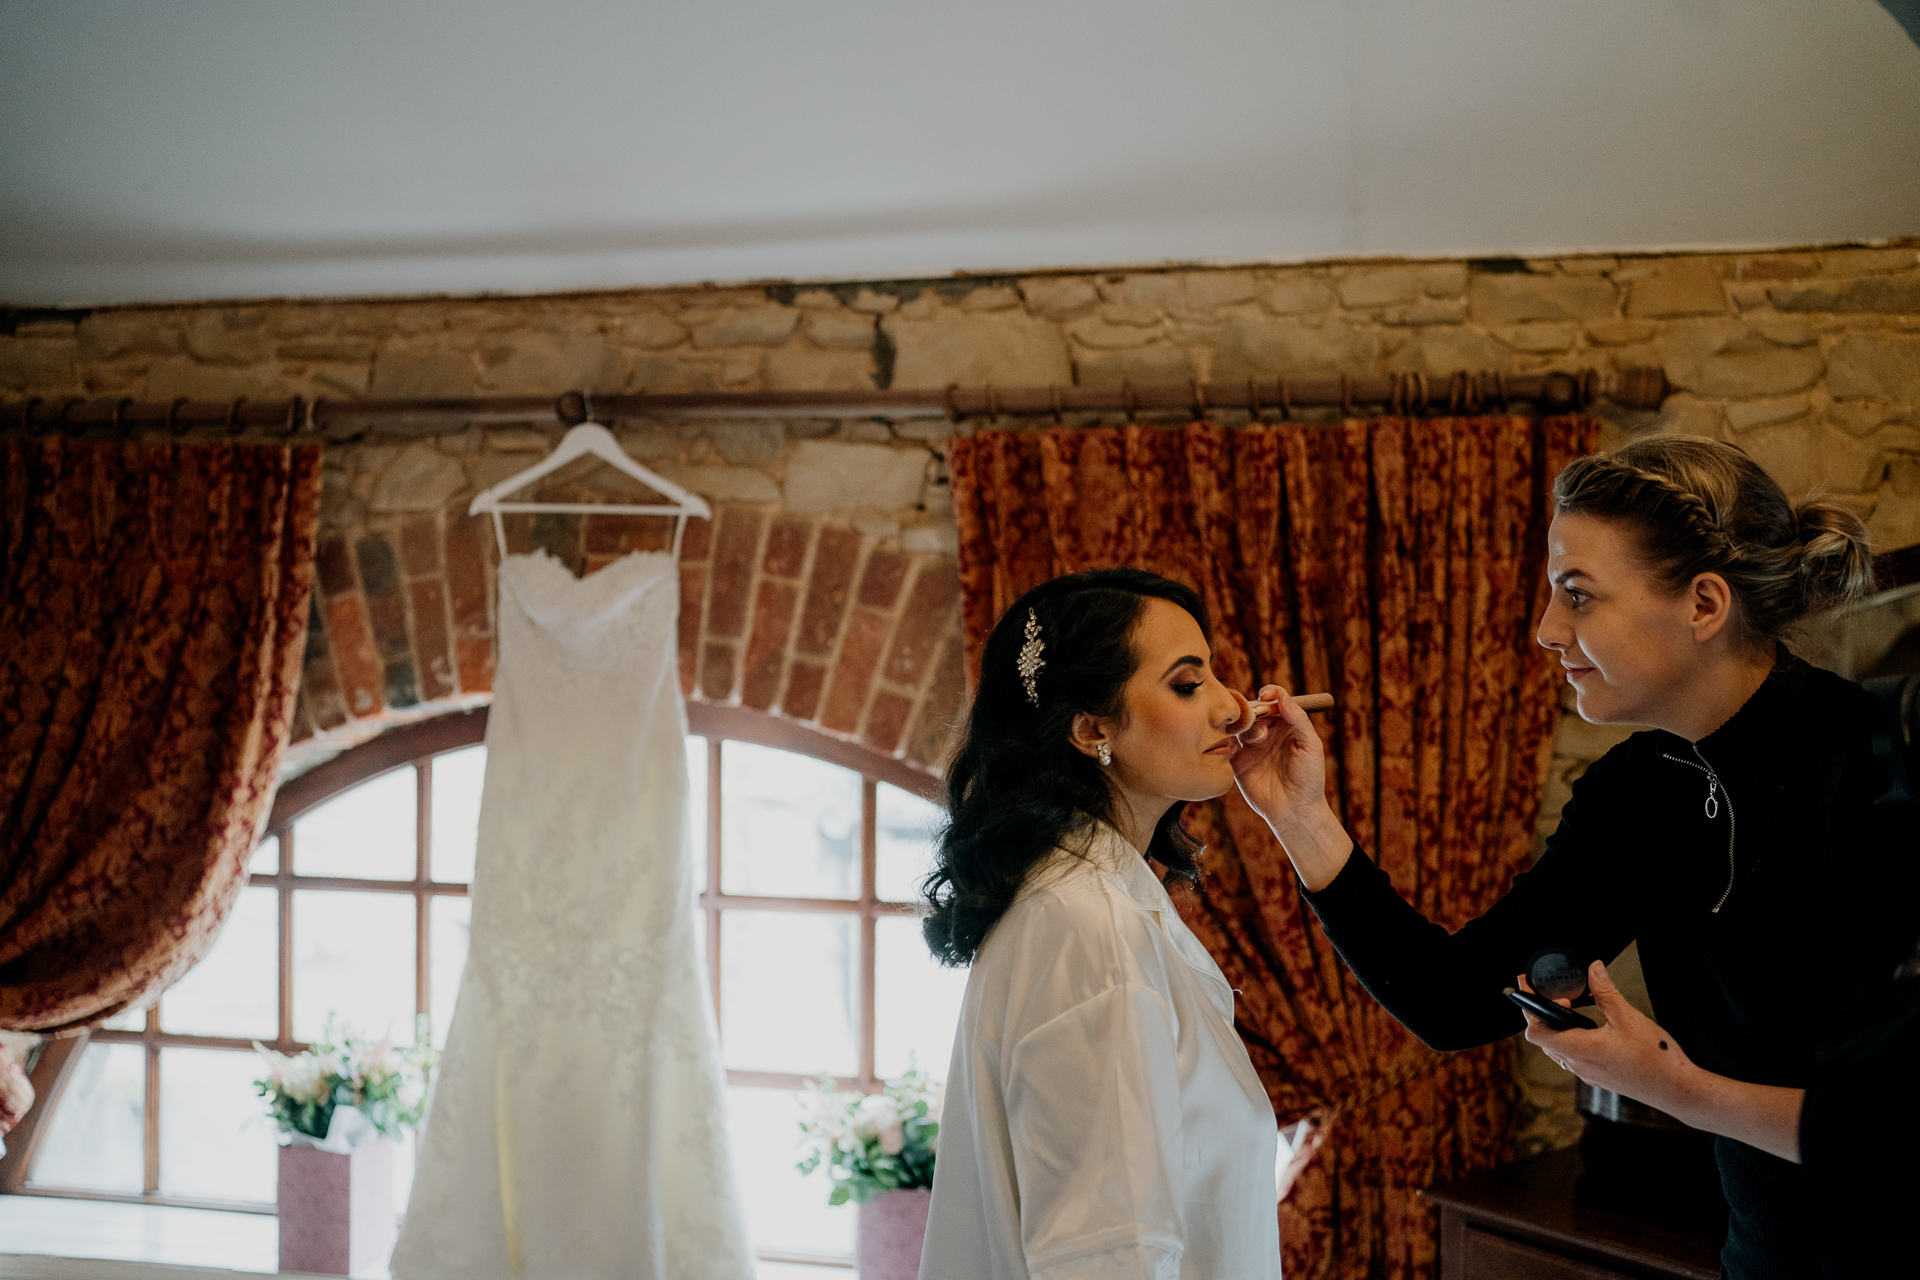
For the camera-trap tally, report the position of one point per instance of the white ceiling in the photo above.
(222, 148)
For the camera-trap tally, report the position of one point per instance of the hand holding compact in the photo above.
(1631, 1055)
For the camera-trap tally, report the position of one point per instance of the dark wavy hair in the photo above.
(1017, 787)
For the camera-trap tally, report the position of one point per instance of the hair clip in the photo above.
(1030, 661)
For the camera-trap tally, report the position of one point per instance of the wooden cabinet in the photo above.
(1547, 1219)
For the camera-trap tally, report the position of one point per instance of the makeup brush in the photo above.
(1307, 701)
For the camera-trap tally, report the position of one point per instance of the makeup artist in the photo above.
(1737, 839)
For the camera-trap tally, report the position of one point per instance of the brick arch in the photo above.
(800, 617)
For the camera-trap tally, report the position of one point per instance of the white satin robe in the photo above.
(1102, 1117)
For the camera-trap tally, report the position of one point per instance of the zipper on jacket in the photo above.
(1714, 792)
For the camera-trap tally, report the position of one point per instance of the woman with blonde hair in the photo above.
(1738, 839)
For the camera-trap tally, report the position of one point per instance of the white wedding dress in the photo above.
(578, 1124)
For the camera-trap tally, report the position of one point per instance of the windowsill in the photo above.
(50, 1238)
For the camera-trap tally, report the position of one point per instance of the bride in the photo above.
(1102, 1117)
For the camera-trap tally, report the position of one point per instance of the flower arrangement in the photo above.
(385, 1083)
(871, 1143)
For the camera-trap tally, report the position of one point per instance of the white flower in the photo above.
(892, 1139)
(305, 1078)
(876, 1113)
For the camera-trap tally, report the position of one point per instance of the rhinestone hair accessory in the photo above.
(1030, 663)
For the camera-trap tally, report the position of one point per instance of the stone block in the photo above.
(1498, 299)
(1766, 413)
(46, 329)
(420, 478)
(226, 337)
(1159, 290)
(662, 375)
(519, 440)
(1540, 339)
(1853, 262)
(1730, 360)
(338, 379)
(1619, 333)
(992, 297)
(1442, 352)
(1864, 417)
(800, 369)
(1005, 348)
(38, 364)
(413, 373)
(1777, 266)
(1442, 279)
(866, 431)
(1783, 331)
(1251, 347)
(816, 300)
(1141, 366)
(760, 327)
(109, 335)
(1803, 458)
(751, 443)
(933, 537)
(1058, 297)
(875, 527)
(1747, 295)
(1212, 290)
(1102, 336)
(1127, 313)
(1875, 366)
(1868, 294)
(1895, 521)
(648, 331)
(325, 348)
(838, 331)
(868, 302)
(723, 484)
(826, 475)
(1588, 265)
(1426, 311)
(547, 364)
(1376, 287)
(181, 376)
(1299, 296)
(1690, 290)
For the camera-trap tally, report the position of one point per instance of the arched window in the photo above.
(809, 851)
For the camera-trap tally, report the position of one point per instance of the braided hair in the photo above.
(1702, 506)
(1017, 788)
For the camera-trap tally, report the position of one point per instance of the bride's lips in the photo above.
(1577, 674)
(1224, 747)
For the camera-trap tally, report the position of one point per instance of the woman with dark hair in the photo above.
(1739, 840)
(1102, 1117)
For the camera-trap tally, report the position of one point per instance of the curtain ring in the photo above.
(564, 404)
(1426, 396)
(1589, 387)
(1199, 398)
(586, 405)
(1254, 417)
(1286, 401)
(1455, 391)
(1500, 389)
(1396, 394)
(66, 408)
(26, 412)
(120, 412)
(1053, 393)
(173, 413)
(234, 425)
(953, 407)
(312, 423)
(1127, 399)
(1346, 396)
(993, 406)
(293, 414)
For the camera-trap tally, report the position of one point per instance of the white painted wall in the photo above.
(209, 148)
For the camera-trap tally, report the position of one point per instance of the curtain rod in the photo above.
(1266, 398)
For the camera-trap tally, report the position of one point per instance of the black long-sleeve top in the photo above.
(1759, 876)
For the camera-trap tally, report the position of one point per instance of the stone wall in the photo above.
(824, 590)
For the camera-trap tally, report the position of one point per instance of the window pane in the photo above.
(450, 920)
(787, 999)
(903, 842)
(790, 825)
(353, 957)
(916, 1002)
(785, 1211)
(456, 812)
(697, 808)
(266, 858)
(235, 991)
(97, 1139)
(366, 833)
(215, 1138)
(127, 1020)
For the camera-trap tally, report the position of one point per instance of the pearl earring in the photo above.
(1105, 753)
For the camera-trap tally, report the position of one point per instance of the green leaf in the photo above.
(839, 1196)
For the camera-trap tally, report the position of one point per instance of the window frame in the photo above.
(417, 745)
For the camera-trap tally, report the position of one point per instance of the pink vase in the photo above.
(336, 1209)
(893, 1227)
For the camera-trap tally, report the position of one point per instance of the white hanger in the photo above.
(590, 437)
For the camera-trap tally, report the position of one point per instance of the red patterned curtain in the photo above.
(1399, 565)
(153, 610)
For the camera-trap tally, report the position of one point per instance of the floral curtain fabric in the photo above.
(1399, 565)
(153, 612)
